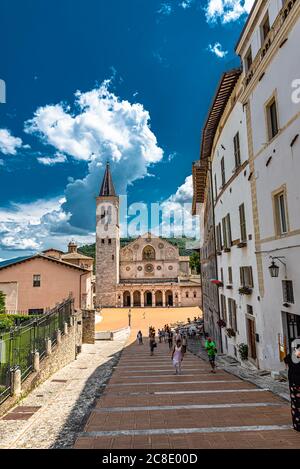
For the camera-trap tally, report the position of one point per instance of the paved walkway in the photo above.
(146, 406)
(260, 378)
(53, 414)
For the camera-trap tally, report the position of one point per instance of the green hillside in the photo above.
(89, 249)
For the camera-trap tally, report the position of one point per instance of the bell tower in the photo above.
(107, 243)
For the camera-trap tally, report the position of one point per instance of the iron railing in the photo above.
(18, 345)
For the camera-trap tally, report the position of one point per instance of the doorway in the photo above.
(148, 298)
(293, 328)
(252, 353)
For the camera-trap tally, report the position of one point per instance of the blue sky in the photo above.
(126, 80)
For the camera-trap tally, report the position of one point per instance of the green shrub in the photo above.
(2, 302)
(243, 351)
(10, 320)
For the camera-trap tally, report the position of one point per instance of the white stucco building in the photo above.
(250, 156)
(269, 49)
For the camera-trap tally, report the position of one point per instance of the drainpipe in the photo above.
(215, 244)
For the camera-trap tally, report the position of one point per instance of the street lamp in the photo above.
(129, 318)
(274, 268)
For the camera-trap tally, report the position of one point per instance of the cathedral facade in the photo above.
(147, 272)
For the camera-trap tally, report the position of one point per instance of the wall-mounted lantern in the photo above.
(274, 268)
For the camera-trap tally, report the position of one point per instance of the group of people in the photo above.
(178, 343)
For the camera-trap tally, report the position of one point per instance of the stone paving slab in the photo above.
(205, 410)
(64, 400)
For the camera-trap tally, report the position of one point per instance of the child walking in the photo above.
(177, 356)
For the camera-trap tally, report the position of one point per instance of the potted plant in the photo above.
(217, 282)
(230, 332)
(243, 351)
(245, 290)
(221, 323)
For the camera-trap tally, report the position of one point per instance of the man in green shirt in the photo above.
(210, 347)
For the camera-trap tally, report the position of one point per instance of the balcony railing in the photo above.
(274, 31)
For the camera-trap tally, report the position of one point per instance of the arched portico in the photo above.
(169, 298)
(137, 298)
(148, 300)
(126, 299)
(158, 298)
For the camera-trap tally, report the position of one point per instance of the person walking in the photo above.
(292, 362)
(152, 344)
(210, 347)
(184, 343)
(177, 335)
(177, 356)
(140, 338)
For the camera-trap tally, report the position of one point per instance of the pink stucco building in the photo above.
(35, 283)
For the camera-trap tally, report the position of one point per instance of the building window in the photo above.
(195, 294)
(265, 28)
(109, 241)
(223, 176)
(219, 237)
(272, 118)
(113, 257)
(250, 310)
(280, 213)
(187, 294)
(230, 275)
(237, 150)
(102, 241)
(243, 223)
(223, 308)
(248, 59)
(222, 275)
(36, 280)
(227, 240)
(288, 291)
(246, 277)
(232, 314)
(35, 312)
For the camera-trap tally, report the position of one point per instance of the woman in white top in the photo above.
(177, 357)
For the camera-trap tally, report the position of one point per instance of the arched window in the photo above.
(148, 253)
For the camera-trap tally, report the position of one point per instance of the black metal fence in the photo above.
(17, 346)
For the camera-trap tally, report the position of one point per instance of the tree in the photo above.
(2, 302)
(195, 262)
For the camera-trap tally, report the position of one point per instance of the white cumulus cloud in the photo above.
(218, 50)
(8, 143)
(52, 160)
(227, 10)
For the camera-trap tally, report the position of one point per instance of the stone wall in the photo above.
(88, 327)
(61, 354)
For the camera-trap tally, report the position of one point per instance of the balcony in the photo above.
(273, 33)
